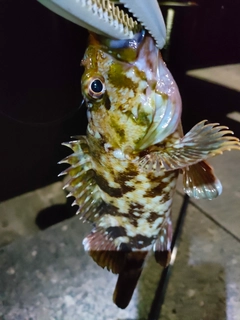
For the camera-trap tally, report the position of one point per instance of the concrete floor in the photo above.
(46, 275)
(205, 282)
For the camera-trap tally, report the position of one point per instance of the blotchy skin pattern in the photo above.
(123, 174)
(136, 204)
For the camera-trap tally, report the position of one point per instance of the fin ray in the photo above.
(104, 252)
(199, 182)
(120, 260)
(162, 246)
(81, 183)
(201, 142)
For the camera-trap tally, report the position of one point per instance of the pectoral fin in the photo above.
(201, 142)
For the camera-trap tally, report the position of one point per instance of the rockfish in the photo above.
(123, 173)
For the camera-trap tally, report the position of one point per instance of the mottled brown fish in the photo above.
(123, 173)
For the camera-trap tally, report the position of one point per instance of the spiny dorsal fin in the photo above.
(81, 183)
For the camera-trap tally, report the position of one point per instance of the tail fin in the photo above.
(128, 278)
(124, 262)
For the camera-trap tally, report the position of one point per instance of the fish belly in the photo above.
(136, 205)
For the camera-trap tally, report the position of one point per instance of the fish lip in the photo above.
(126, 43)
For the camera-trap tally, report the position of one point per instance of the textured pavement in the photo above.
(47, 275)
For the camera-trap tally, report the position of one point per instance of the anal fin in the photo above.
(120, 260)
(104, 252)
(199, 181)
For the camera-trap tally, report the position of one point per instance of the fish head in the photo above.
(126, 94)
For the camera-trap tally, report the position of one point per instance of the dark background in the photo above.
(40, 73)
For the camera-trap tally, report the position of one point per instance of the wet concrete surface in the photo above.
(205, 280)
(47, 275)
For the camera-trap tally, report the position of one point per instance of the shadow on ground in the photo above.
(55, 214)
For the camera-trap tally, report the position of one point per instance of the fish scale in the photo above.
(132, 155)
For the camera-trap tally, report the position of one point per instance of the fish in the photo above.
(123, 173)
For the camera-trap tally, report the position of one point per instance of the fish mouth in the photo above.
(122, 49)
(127, 43)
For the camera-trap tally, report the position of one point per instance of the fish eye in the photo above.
(96, 88)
